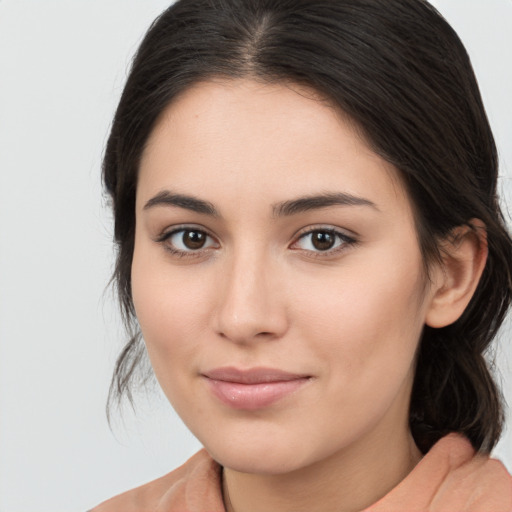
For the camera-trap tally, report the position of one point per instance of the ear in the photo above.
(455, 280)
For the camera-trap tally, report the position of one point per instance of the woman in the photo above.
(311, 244)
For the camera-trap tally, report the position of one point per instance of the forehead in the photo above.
(273, 139)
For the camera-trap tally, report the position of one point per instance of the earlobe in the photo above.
(464, 256)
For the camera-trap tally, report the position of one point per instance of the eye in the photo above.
(323, 240)
(187, 240)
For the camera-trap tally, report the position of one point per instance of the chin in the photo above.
(257, 462)
(260, 456)
(248, 454)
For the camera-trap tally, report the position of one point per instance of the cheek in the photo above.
(367, 325)
(169, 310)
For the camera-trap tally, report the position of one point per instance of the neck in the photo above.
(348, 481)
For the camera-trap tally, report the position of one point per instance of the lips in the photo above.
(254, 388)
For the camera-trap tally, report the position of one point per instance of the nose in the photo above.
(250, 301)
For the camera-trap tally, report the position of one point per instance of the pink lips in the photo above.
(254, 388)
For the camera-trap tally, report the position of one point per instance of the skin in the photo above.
(260, 294)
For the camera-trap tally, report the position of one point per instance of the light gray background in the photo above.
(62, 67)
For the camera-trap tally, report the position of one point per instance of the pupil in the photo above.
(322, 240)
(194, 239)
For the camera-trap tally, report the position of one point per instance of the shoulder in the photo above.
(452, 476)
(198, 478)
(475, 481)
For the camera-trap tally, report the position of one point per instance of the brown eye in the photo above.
(323, 240)
(193, 239)
(187, 240)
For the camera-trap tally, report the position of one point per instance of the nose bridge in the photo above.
(250, 304)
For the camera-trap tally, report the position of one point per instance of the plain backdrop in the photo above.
(62, 68)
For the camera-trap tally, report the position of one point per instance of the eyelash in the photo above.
(166, 236)
(343, 240)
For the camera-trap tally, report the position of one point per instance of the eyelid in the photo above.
(166, 234)
(348, 240)
(171, 230)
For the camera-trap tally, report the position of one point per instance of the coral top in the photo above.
(450, 478)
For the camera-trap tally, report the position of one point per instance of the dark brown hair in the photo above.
(399, 71)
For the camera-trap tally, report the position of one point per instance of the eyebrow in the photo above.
(284, 209)
(166, 198)
(315, 202)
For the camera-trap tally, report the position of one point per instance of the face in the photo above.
(276, 276)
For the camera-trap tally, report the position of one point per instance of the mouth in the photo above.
(254, 388)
